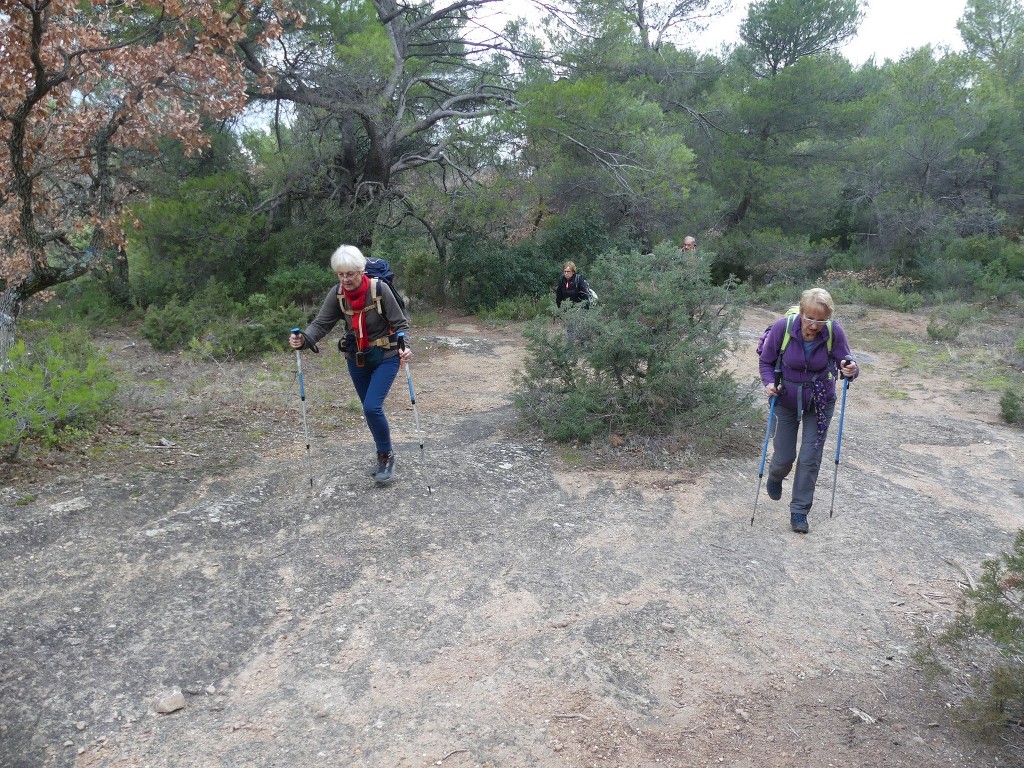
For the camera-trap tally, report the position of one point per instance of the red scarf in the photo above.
(357, 303)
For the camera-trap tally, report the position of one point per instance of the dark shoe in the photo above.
(774, 489)
(799, 522)
(385, 468)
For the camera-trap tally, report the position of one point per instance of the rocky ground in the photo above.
(504, 603)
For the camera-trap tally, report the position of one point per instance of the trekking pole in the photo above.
(839, 437)
(764, 454)
(302, 397)
(412, 394)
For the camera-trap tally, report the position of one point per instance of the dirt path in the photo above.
(495, 607)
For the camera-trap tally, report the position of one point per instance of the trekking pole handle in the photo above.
(846, 379)
(401, 341)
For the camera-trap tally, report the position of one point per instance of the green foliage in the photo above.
(1012, 406)
(988, 635)
(255, 327)
(213, 325)
(764, 257)
(88, 302)
(171, 326)
(976, 267)
(204, 230)
(56, 386)
(298, 284)
(422, 277)
(603, 145)
(308, 239)
(486, 272)
(778, 33)
(946, 323)
(646, 359)
(891, 298)
(516, 310)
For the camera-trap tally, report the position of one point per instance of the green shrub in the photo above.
(768, 256)
(988, 638)
(88, 302)
(54, 388)
(422, 277)
(946, 323)
(647, 359)
(516, 310)
(300, 284)
(483, 272)
(1012, 406)
(256, 328)
(171, 326)
(216, 327)
(890, 297)
(204, 228)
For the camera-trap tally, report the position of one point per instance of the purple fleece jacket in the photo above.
(798, 368)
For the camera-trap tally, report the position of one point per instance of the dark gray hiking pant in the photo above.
(784, 454)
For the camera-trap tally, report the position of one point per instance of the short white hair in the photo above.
(348, 258)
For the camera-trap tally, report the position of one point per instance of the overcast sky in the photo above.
(890, 28)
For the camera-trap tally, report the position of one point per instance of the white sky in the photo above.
(889, 29)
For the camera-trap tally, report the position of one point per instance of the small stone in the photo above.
(172, 702)
(80, 725)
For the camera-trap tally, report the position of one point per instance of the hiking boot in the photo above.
(774, 489)
(385, 468)
(799, 522)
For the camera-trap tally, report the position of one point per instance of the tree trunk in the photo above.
(11, 303)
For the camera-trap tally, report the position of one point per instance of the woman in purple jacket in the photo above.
(801, 373)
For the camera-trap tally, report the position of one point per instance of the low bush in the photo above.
(299, 284)
(645, 361)
(516, 310)
(987, 638)
(891, 298)
(222, 329)
(946, 323)
(256, 327)
(171, 326)
(57, 384)
(1012, 406)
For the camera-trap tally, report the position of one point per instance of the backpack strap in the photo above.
(374, 296)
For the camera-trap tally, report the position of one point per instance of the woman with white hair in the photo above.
(801, 358)
(373, 319)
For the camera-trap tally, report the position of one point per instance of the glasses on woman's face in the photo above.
(348, 275)
(812, 321)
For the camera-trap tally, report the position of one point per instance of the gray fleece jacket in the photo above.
(377, 326)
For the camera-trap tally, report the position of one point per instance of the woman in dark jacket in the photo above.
(806, 394)
(373, 319)
(572, 286)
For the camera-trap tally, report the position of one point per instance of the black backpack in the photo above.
(380, 268)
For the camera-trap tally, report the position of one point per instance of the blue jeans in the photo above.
(372, 383)
(784, 453)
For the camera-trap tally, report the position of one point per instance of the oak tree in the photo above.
(84, 89)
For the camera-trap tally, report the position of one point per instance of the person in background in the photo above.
(689, 243)
(370, 346)
(572, 286)
(806, 395)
